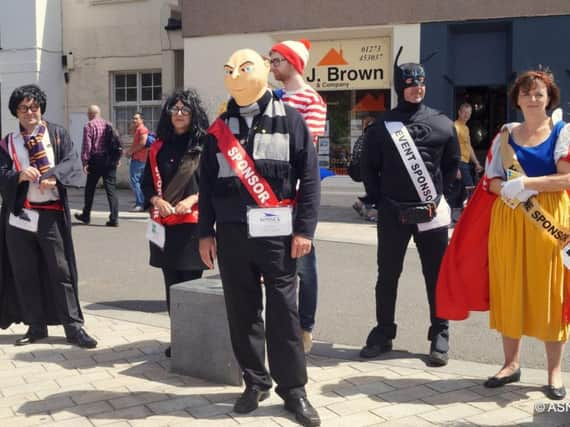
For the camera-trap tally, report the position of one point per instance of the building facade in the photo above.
(122, 55)
(30, 53)
(480, 45)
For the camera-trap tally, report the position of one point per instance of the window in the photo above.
(136, 91)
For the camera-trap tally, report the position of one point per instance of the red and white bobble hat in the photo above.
(295, 52)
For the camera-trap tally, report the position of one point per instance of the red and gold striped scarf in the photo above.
(36, 150)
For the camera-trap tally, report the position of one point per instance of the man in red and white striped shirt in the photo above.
(288, 61)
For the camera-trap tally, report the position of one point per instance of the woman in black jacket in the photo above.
(170, 187)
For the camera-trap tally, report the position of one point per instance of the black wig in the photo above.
(27, 92)
(199, 119)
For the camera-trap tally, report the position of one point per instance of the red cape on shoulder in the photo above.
(463, 282)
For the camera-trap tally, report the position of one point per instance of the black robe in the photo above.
(67, 171)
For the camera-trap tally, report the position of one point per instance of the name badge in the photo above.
(26, 220)
(269, 222)
(156, 233)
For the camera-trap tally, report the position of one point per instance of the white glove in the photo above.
(510, 189)
(524, 195)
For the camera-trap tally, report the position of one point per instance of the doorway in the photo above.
(489, 114)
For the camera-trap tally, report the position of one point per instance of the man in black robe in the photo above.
(38, 272)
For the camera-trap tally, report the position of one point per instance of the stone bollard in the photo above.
(200, 336)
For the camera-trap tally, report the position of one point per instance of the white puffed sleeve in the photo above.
(494, 162)
(562, 143)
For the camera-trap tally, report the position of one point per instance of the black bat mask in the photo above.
(407, 75)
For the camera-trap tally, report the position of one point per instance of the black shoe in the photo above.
(437, 358)
(82, 218)
(554, 393)
(34, 334)
(167, 352)
(494, 382)
(82, 339)
(304, 411)
(249, 400)
(375, 350)
(112, 223)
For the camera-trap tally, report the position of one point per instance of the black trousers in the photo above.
(393, 239)
(242, 262)
(42, 274)
(172, 277)
(109, 175)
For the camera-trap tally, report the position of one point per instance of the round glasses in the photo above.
(276, 62)
(25, 108)
(185, 111)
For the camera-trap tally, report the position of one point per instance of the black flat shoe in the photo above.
(304, 412)
(554, 393)
(494, 382)
(249, 400)
(34, 334)
(112, 223)
(82, 339)
(437, 358)
(82, 218)
(375, 350)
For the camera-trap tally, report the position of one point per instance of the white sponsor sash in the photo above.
(418, 174)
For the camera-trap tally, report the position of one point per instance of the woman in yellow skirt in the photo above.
(528, 282)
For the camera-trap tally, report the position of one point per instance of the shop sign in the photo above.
(349, 64)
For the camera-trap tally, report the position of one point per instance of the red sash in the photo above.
(244, 167)
(55, 205)
(174, 219)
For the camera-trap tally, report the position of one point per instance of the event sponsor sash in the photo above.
(244, 167)
(190, 217)
(418, 174)
(532, 209)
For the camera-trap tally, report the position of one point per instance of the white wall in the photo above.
(107, 37)
(30, 37)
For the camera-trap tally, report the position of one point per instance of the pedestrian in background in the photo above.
(99, 161)
(137, 152)
(170, 187)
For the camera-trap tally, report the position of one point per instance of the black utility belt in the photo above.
(415, 212)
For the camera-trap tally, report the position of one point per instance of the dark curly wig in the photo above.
(27, 92)
(199, 119)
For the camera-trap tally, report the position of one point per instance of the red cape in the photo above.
(463, 282)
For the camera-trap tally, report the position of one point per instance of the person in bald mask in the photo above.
(260, 187)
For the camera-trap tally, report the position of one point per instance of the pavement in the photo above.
(126, 380)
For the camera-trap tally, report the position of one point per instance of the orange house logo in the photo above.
(333, 57)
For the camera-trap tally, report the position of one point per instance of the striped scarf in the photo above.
(271, 124)
(35, 147)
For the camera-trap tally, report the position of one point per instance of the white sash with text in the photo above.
(418, 174)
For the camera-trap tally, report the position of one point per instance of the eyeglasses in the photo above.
(276, 62)
(25, 108)
(185, 111)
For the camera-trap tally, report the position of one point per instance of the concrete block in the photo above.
(200, 335)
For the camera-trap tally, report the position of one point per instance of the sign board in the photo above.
(350, 64)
